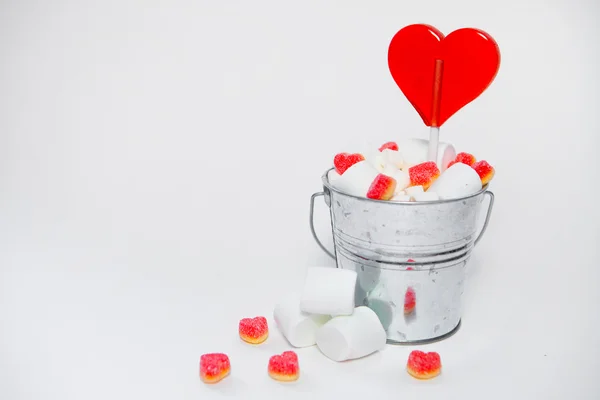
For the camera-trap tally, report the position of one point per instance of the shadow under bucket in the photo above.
(417, 301)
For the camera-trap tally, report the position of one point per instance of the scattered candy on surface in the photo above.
(423, 174)
(484, 170)
(343, 161)
(254, 330)
(389, 145)
(214, 367)
(284, 367)
(422, 365)
(382, 188)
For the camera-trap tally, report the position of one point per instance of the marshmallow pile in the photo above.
(401, 172)
(323, 314)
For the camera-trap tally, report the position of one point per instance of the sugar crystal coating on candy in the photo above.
(410, 301)
(423, 174)
(484, 170)
(343, 161)
(284, 367)
(464, 158)
(422, 365)
(389, 145)
(382, 188)
(254, 330)
(214, 367)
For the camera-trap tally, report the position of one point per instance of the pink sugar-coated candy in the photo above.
(214, 367)
(254, 330)
(423, 174)
(284, 367)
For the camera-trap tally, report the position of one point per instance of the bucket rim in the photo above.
(325, 180)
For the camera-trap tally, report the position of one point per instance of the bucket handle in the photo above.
(488, 214)
(330, 254)
(312, 223)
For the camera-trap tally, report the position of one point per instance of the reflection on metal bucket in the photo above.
(377, 238)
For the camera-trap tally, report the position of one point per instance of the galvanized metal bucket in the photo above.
(410, 257)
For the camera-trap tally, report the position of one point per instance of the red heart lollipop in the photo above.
(471, 60)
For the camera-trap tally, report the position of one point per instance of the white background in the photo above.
(156, 164)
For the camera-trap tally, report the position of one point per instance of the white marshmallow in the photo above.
(426, 196)
(333, 176)
(401, 197)
(328, 291)
(402, 178)
(411, 191)
(357, 179)
(349, 337)
(376, 158)
(297, 327)
(416, 151)
(393, 158)
(459, 180)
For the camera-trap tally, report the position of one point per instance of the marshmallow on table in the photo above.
(297, 327)
(459, 180)
(357, 179)
(416, 151)
(328, 291)
(349, 337)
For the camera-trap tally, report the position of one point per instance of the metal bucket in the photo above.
(417, 301)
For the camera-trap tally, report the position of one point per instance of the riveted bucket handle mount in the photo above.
(330, 254)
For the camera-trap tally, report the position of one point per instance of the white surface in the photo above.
(123, 259)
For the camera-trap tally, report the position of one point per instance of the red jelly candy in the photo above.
(464, 158)
(382, 188)
(254, 330)
(423, 365)
(485, 171)
(389, 145)
(284, 367)
(343, 161)
(471, 60)
(423, 174)
(214, 367)
(410, 301)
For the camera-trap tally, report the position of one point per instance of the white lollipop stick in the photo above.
(434, 140)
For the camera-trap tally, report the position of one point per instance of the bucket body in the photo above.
(410, 258)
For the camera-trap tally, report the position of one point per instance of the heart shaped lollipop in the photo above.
(440, 75)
